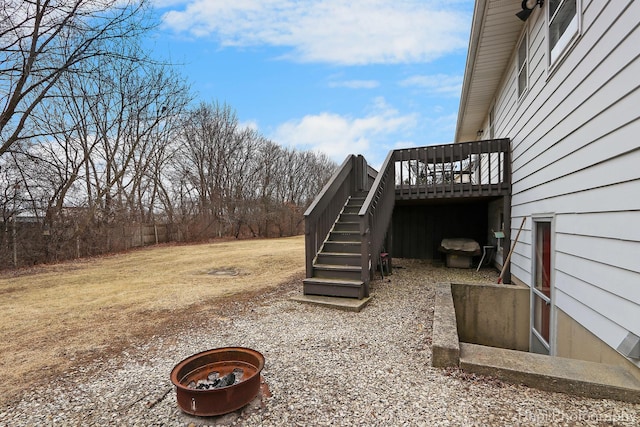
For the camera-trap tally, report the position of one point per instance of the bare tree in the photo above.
(134, 113)
(43, 40)
(210, 145)
(103, 137)
(236, 181)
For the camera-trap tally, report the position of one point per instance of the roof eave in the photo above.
(474, 37)
(495, 17)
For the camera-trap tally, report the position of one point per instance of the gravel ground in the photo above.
(323, 367)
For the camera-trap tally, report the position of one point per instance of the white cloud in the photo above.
(249, 124)
(403, 144)
(339, 136)
(442, 84)
(356, 84)
(330, 31)
(166, 3)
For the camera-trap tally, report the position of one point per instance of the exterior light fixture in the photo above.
(527, 8)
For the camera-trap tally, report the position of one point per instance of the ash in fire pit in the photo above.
(214, 380)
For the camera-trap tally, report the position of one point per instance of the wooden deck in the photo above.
(351, 218)
(453, 191)
(469, 169)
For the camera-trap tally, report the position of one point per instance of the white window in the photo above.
(563, 23)
(522, 66)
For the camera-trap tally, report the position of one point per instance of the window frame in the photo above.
(524, 67)
(537, 294)
(569, 36)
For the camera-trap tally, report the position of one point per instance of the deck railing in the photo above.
(352, 176)
(375, 216)
(477, 168)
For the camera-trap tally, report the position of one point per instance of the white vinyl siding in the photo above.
(575, 155)
(490, 172)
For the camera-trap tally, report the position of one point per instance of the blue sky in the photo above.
(341, 77)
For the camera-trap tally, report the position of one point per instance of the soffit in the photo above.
(495, 31)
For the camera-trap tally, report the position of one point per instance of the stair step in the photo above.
(334, 287)
(341, 282)
(340, 272)
(349, 209)
(338, 258)
(337, 269)
(346, 226)
(342, 247)
(349, 217)
(344, 236)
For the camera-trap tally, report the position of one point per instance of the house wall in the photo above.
(579, 343)
(489, 170)
(575, 158)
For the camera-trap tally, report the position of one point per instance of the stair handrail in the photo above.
(375, 216)
(323, 211)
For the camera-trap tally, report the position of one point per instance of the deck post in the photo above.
(361, 175)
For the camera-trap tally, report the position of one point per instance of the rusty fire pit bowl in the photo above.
(217, 362)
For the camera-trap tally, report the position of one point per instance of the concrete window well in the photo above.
(479, 321)
(484, 329)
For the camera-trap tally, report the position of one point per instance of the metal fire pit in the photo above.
(217, 401)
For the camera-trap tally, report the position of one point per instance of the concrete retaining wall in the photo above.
(493, 315)
(486, 311)
(445, 343)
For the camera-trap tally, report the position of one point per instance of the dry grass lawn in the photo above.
(58, 315)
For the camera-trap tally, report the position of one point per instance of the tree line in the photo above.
(97, 136)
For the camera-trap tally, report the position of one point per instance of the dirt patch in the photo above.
(7, 291)
(58, 317)
(224, 272)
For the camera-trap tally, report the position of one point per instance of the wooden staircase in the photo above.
(337, 267)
